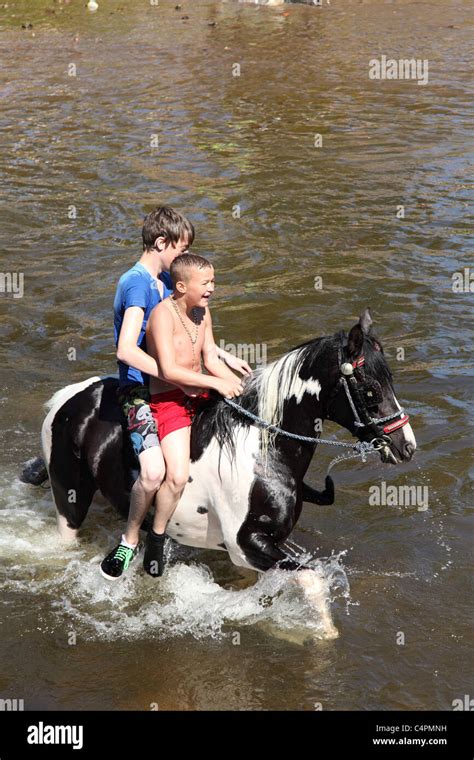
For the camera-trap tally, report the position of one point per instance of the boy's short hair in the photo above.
(180, 269)
(165, 222)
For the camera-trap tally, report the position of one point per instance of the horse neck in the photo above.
(301, 417)
(289, 392)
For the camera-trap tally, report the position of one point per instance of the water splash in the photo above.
(188, 600)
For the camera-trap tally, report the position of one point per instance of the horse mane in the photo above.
(265, 393)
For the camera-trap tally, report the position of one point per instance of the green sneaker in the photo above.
(115, 563)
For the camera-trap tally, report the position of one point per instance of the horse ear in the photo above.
(376, 345)
(366, 321)
(355, 342)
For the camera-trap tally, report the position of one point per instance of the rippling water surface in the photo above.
(208, 638)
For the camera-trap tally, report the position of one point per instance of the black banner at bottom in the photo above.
(120, 734)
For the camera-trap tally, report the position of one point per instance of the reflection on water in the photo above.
(237, 153)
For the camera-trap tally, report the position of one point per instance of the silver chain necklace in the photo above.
(196, 326)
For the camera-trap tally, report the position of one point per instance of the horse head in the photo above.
(363, 398)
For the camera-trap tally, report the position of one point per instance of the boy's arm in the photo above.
(210, 353)
(127, 349)
(160, 326)
(234, 362)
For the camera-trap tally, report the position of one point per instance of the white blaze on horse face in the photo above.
(407, 430)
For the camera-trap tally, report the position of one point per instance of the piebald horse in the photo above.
(246, 489)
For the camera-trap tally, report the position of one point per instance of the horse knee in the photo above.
(261, 551)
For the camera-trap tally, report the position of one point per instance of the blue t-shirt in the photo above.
(137, 287)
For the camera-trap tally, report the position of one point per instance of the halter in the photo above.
(363, 396)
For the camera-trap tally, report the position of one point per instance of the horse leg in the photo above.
(263, 553)
(73, 488)
(34, 472)
(270, 520)
(312, 496)
(316, 592)
(114, 491)
(267, 523)
(116, 474)
(260, 548)
(117, 470)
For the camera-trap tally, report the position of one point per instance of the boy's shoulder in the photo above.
(160, 311)
(160, 319)
(135, 272)
(136, 287)
(162, 306)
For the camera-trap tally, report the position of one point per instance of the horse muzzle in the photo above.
(389, 453)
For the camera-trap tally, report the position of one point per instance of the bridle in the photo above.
(363, 396)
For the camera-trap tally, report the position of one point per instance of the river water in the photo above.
(107, 114)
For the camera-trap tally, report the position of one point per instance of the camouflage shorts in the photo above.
(135, 403)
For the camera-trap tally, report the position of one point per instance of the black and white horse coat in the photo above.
(245, 489)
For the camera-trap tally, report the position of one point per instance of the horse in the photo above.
(246, 484)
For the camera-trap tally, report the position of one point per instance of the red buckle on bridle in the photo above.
(396, 424)
(358, 362)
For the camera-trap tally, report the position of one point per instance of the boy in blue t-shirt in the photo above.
(166, 234)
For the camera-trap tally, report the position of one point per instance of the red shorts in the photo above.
(174, 410)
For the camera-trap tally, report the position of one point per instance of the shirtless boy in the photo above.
(166, 234)
(179, 333)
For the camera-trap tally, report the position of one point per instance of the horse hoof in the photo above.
(66, 533)
(34, 472)
(315, 591)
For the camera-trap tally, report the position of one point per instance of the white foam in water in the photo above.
(186, 600)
